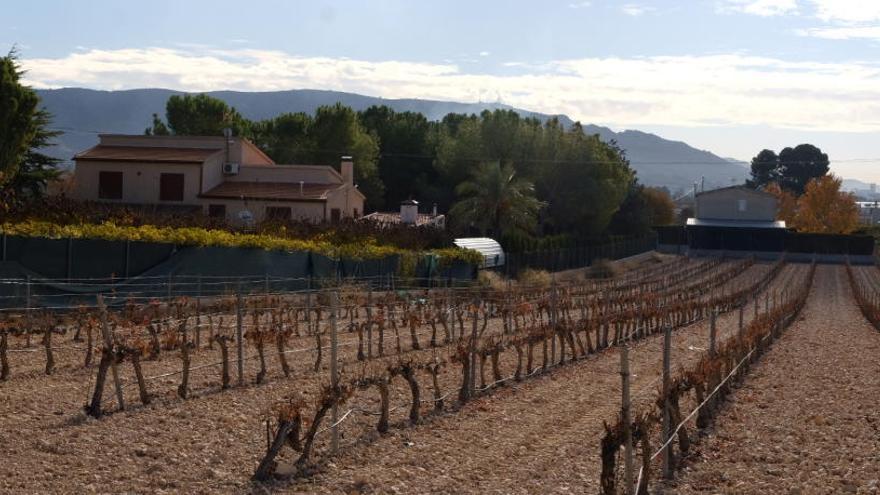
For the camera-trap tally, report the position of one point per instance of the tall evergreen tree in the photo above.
(23, 133)
(801, 164)
(792, 169)
(765, 169)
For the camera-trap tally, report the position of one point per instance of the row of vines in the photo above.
(700, 389)
(442, 346)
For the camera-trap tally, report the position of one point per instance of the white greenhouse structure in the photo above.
(492, 253)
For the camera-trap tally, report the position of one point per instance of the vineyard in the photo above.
(594, 385)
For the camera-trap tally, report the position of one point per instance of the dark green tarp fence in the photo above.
(45, 271)
(771, 240)
(580, 256)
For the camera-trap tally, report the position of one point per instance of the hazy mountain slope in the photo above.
(83, 113)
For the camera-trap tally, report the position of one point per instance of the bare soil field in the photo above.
(536, 436)
(807, 419)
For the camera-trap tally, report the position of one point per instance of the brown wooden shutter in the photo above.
(109, 185)
(171, 187)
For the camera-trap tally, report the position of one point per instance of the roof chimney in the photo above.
(347, 170)
(301, 183)
(409, 212)
(434, 210)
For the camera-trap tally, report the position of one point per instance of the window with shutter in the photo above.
(171, 187)
(109, 185)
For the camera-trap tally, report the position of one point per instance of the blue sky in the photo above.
(731, 76)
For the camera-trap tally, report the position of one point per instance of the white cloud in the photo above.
(484, 53)
(843, 32)
(843, 19)
(579, 5)
(840, 11)
(764, 8)
(680, 90)
(847, 11)
(635, 10)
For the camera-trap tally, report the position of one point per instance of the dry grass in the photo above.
(534, 278)
(491, 280)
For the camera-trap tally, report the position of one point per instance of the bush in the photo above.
(534, 278)
(491, 280)
(602, 268)
(197, 236)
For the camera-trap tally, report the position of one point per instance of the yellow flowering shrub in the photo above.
(196, 236)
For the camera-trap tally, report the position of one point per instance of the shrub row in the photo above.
(365, 249)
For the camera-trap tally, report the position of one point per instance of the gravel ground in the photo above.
(807, 418)
(540, 435)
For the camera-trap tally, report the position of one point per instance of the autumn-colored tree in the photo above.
(660, 206)
(824, 208)
(787, 204)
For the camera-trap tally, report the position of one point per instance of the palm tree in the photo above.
(495, 201)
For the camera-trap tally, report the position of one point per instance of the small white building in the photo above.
(409, 215)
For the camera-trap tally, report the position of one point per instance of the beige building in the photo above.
(736, 204)
(224, 177)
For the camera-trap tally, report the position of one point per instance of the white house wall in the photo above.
(140, 181)
(307, 211)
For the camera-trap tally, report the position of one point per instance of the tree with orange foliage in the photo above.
(787, 204)
(825, 209)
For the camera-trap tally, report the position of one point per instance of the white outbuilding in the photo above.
(492, 253)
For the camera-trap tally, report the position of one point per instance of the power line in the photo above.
(486, 158)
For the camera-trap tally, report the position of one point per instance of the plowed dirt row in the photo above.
(807, 418)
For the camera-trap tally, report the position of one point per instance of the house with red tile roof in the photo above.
(222, 177)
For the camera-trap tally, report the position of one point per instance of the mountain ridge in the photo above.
(81, 114)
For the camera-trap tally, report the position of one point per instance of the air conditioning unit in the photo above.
(230, 168)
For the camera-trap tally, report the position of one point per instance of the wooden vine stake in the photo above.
(667, 451)
(108, 359)
(627, 421)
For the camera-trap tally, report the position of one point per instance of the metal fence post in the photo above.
(473, 346)
(740, 331)
(334, 374)
(127, 259)
(69, 259)
(553, 318)
(239, 334)
(370, 321)
(755, 300)
(27, 308)
(309, 307)
(712, 332)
